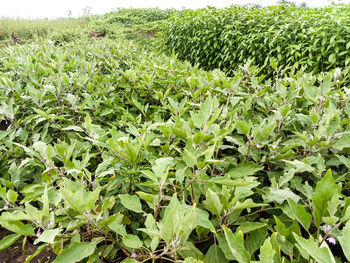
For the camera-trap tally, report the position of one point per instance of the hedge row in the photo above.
(288, 37)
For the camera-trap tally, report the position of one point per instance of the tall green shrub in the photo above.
(283, 37)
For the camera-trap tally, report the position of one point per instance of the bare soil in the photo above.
(15, 254)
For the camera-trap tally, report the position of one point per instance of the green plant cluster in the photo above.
(139, 15)
(294, 38)
(108, 152)
(29, 30)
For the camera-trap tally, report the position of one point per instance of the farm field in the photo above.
(134, 147)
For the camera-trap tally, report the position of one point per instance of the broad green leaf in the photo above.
(300, 167)
(170, 225)
(267, 253)
(203, 116)
(344, 240)
(264, 132)
(79, 199)
(322, 194)
(243, 170)
(12, 196)
(202, 219)
(321, 254)
(247, 227)
(75, 252)
(243, 127)
(130, 260)
(236, 245)
(132, 241)
(48, 236)
(225, 180)
(215, 255)
(162, 165)
(189, 250)
(223, 245)
(190, 158)
(18, 227)
(281, 195)
(212, 203)
(131, 202)
(300, 214)
(40, 147)
(343, 142)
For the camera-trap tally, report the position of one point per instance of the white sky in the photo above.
(60, 8)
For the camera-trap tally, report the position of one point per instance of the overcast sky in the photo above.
(60, 8)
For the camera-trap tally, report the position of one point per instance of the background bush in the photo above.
(288, 37)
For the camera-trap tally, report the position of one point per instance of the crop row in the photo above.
(108, 152)
(290, 38)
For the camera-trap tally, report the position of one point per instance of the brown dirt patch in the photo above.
(14, 254)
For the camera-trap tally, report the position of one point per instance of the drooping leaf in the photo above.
(9, 240)
(243, 170)
(323, 193)
(212, 203)
(235, 243)
(75, 252)
(131, 202)
(320, 254)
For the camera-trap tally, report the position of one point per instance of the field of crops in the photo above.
(111, 152)
(295, 39)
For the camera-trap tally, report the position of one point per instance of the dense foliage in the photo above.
(292, 38)
(140, 15)
(111, 152)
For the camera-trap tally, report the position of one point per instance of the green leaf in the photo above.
(190, 158)
(37, 252)
(212, 203)
(132, 241)
(40, 147)
(204, 114)
(332, 58)
(131, 202)
(236, 245)
(310, 91)
(320, 254)
(77, 197)
(48, 236)
(323, 193)
(162, 165)
(247, 227)
(170, 225)
(188, 250)
(130, 260)
(215, 255)
(18, 227)
(9, 240)
(267, 253)
(243, 170)
(243, 127)
(225, 180)
(299, 213)
(224, 246)
(76, 252)
(333, 124)
(344, 240)
(12, 196)
(281, 195)
(264, 132)
(343, 142)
